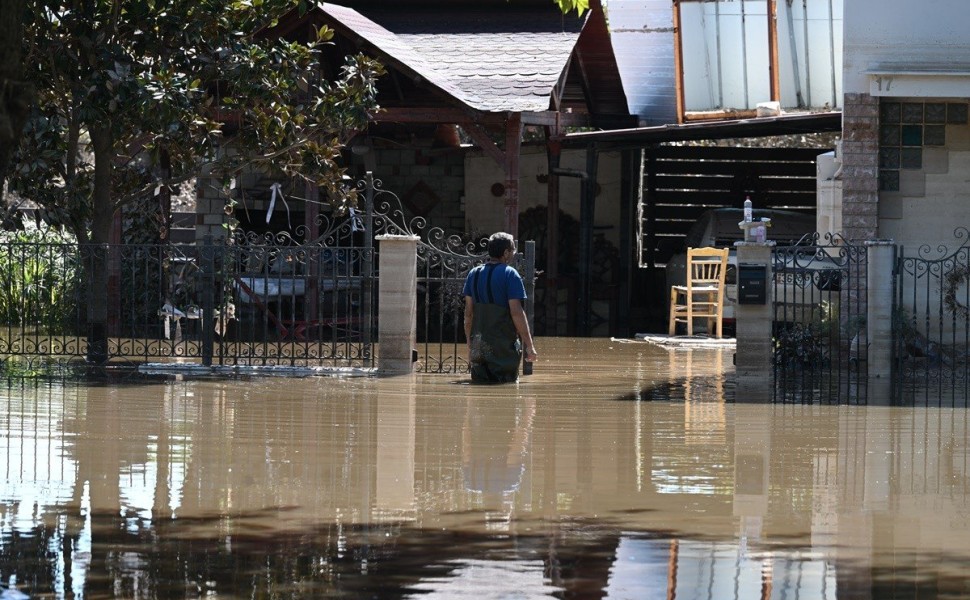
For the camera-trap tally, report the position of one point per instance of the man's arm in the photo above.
(522, 328)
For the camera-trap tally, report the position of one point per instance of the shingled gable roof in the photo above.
(392, 50)
(509, 60)
(504, 59)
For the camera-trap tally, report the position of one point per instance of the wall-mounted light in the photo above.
(542, 177)
(498, 189)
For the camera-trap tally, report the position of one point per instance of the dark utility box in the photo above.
(752, 284)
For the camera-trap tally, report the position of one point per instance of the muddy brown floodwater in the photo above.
(616, 470)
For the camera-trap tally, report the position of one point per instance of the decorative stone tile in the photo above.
(911, 158)
(890, 135)
(912, 183)
(891, 206)
(936, 161)
(889, 158)
(912, 112)
(420, 199)
(934, 112)
(889, 181)
(912, 135)
(890, 112)
(934, 135)
(956, 113)
(957, 137)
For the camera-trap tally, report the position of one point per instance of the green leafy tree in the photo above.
(137, 95)
(580, 6)
(16, 95)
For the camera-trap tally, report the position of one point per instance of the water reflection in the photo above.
(568, 484)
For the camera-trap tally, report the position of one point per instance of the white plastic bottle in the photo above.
(747, 209)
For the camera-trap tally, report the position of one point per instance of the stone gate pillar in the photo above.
(753, 357)
(398, 303)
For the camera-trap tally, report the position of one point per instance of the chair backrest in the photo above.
(706, 267)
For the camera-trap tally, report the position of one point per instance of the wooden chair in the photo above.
(703, 295)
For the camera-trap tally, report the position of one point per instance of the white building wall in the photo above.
(929, 35)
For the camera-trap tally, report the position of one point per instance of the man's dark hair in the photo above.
(498, 243)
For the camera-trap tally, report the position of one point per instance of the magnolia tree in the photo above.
(134, 96)
(15, 94)
(579, 6)
(130, 97)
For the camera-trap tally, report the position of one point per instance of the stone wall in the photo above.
(430, 182)
(860, 167)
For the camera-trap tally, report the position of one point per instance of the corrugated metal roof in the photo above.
(711, 130)
(642, 32)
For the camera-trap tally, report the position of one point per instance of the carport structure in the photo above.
(666, 187)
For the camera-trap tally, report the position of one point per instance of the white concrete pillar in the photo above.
(753, 360)
(879, 311)
(398, 302)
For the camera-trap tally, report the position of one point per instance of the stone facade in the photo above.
(860, 167)
(429, 181)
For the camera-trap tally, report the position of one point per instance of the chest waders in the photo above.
(495, 347)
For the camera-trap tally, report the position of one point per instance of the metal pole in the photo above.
(794, 55)
(744, 53)
(529, 275)
(808, 62)
(368, 269)
(835, 99)
(587, 213)
(208, 300)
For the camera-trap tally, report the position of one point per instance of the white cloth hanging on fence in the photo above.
(169, 313)
(277, 190)
(356, 223)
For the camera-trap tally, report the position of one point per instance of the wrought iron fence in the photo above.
(303, 305)
(819, 321)
(306, 299)
(42, 302)
(931, 325)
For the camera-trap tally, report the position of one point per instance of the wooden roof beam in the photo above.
(433, 115)
(485, 142)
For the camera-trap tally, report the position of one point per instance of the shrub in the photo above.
(40, 271)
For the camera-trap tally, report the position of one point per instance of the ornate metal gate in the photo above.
(931, 325)
(443, 263)
(819, 321)
(254, 300)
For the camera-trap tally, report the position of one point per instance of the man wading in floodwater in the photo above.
(495, 323)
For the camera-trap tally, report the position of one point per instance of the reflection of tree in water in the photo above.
(176, 559)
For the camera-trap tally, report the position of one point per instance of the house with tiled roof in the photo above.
(479, 112)
(475, 99)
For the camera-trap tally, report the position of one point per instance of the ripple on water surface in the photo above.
(617, 470)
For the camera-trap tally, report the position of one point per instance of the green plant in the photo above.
(40, 271)
(799, 345)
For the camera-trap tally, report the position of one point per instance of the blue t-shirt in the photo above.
(505, 281)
